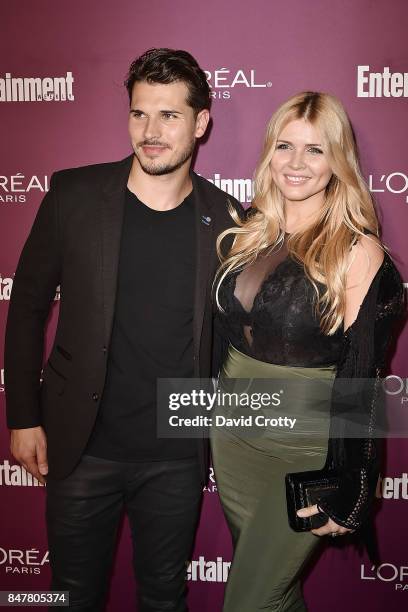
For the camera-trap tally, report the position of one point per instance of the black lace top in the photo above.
(268, 314)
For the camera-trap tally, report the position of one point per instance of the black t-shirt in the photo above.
(152, 333)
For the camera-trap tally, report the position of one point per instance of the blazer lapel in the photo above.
(205, 224)
(112, 207)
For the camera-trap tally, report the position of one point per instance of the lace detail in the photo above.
(269, 314)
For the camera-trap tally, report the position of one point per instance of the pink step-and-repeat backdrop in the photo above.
(256, 55)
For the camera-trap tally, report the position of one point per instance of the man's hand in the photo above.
(29, 447)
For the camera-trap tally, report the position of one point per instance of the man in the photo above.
(132, 245)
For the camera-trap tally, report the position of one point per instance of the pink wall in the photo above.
(283, 48)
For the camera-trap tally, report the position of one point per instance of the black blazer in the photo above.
(74, 243)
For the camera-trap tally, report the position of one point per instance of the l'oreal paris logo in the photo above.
(387, 572)
(14, 188)
(22, 561)
(223, 80)
(395, 182)
(211, 487)
(395, 386)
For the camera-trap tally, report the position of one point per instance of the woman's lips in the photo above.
(296, 180)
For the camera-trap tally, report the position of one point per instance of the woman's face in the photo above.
(299, 165)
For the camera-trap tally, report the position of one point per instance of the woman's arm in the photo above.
(353, 449)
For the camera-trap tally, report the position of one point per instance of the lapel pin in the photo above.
(205, 220)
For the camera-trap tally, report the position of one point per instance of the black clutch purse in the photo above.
(306, 489)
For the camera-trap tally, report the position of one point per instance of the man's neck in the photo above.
(160, 192)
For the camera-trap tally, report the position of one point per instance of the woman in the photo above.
(306, 292)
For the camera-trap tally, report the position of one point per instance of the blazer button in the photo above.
(95, 397)
(104, 350)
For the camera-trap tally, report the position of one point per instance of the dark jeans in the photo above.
(162, 501)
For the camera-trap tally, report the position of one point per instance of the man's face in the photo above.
(163, 127)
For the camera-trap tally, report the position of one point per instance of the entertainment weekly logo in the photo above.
(201, 570)
(224, 81)
(29, 561)
(393, 487)
(6, 285)
(16, 476)
(385, 84)
(240, 188)
(36, 89)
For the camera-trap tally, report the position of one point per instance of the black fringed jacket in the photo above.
(363, 358)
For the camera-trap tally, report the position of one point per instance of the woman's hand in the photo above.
(330, 528)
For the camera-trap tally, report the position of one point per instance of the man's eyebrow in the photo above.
(307, 145)
(174, 112)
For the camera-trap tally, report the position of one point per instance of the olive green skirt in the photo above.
(250, 466)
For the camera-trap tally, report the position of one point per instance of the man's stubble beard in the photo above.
(161, 169)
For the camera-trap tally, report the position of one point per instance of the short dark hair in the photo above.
(169, 66)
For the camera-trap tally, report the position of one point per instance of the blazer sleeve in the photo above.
(357, 399)
(37, 276)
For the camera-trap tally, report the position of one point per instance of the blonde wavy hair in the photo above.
(324, 245)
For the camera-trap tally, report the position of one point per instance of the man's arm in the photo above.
(37, 276)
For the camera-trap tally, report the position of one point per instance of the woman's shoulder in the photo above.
(382, 292)
(370, 253)
(366, 259)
